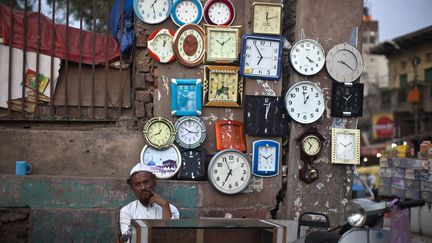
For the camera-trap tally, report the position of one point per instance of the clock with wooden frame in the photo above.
(186, 95)
(347, 99)
(265, 116)
(223, 86)
(188, 45)
(193, 165)
(222, 44)
(265, 158)
(230, 135)
(311, 143)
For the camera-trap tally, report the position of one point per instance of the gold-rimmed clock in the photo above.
(267, 18)
(188, 45)
(222, 43)
(223, 86)
(345, 146)
(159, 132)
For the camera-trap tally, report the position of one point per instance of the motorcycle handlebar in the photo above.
(410, 204)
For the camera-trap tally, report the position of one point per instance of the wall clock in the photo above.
(267, 18)
(344, 63)
(164, 163)
(159, 132)
(265, 158)
(193, 166)
(223, 86)
(186, 12)
(307, 57)
(345, 146)
(229, 135)
(151, 11)
(222, 43)
(304, 102)
(186, 95)
(191, 132)
(188, 45)
(260, 57)
(265, 116)
(229, 171)
(159, 45)
(311, 143)
(347, 99)
(219, 12)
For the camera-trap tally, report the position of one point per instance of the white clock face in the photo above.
(219, 13)
(161, 46)
(304, 102)
(307, 57)
(344, 63)
(190, 132)
(164, 163)
(188, 11)
(267, 158)
(152, 11)
(311, 145)
(261, 57)
(345, 144)
(222, 44)
(229, 171)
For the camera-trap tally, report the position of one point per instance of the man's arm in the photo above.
(166, 210)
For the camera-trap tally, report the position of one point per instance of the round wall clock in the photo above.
(191, 132)
(311, 145)
(307, 57)
(152, 11)
(344, 63)
(186, 12)
(160, 45)
(229, 171)
(304, 102)
(219, 12)
(164, 163)
(159, 132)
(188, 45)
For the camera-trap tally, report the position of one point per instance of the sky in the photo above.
(399, 17)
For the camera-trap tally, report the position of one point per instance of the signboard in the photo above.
(383, 125)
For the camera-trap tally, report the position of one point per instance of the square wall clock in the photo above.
(265, 116)
(345, 146)
(267, 18)
(229, 135)
(347, 99)
(222, 44)
(265, 158)
(261, 57)
(222, 86)
(186, 95)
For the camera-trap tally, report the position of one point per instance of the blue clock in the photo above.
(186, 95)
(261, 57)
(265, 158)
(186, 12)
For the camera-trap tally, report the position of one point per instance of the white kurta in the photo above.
(135, 210)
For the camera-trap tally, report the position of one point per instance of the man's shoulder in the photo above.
(129, 205)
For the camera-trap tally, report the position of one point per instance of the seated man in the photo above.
(150, 205)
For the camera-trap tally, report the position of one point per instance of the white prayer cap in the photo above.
(140, 167)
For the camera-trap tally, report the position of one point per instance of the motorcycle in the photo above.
(364, 223)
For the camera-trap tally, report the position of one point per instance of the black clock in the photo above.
(265, 116)
(193, 166)
(347, 99)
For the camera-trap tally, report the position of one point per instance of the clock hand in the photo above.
(310, 145)
(344, 63)
(191, 131)
(258, 50)
(272, 17)
(267, 17)
(220, 42)
(310, 60)
(307, 97)
(164, 43)
(347, 98)
(226, 40)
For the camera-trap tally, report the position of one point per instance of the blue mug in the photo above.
(23, 168)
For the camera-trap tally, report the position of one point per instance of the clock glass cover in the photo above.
(164, 163)
(193, 165)
(186, 95)
(344, 63)
(307, 57)
(188, 45)
(345, 146)
(222, 86)
(219, 12)
(152, 11)
(222, 44)
(229, 134)
(229, 171)
(265, 156)
(267, 18)
(160, 45)
(191, 131)
(159, 132)
(186, 12)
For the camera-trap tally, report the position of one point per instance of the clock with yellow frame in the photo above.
(223, 86)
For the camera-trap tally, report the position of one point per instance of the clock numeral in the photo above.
(218, 178)
(215, 171)
(219, 164)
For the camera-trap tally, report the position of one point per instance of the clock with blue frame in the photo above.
(265, 158)
(186, 12)
(186, 95)
(261, 57)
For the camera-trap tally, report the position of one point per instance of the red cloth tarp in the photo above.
(47, 28)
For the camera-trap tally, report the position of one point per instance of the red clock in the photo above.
(219, 12)
(230, 135)
(160, 45)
